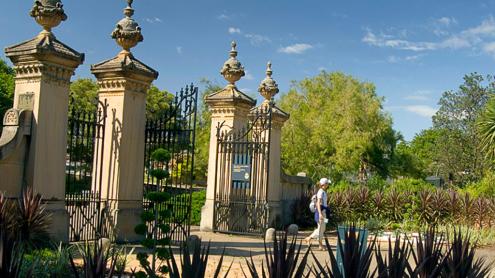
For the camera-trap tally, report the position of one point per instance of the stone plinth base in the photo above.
(207, 216)
(128, 216)
(275, 217)
(59, 221)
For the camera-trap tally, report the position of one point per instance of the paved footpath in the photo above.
(240, 248)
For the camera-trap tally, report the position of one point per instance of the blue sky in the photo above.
(411, 50)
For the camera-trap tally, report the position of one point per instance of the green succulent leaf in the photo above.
(162, 253)
(141, 229)
(148, 243)
(148, 215)
(163, 269)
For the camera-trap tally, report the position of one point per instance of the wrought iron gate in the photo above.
(175, 132)
(88, 213)
(241, 176)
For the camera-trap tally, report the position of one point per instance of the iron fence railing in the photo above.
(174, 131)
(88, 213)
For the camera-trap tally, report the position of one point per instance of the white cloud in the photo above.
(153, 20)
(420, 95)
(179, 50)
(233, 30)
(322, 69)
(256, 39)
(297, 48)
(486, 28)
(489, 48)
(421, 110)
(223, 17)
(395, 59)
(417, 98)
(446, 21)
(248, 76)
(470, 38)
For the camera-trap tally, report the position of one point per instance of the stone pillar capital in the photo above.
(124, 72)
(44, 56)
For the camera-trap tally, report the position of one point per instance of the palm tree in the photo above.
(486, 129)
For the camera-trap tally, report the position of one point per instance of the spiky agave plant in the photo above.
(356, 257)
(428, 255)
(22, 226)
(282, 260)
(31, 221)
(454, 206)
(379, 204)
(396, 262)
(481, 209)
(99, 261)
(460, 261)
(197, 266)
(467, 205)
(8, 257)
(395, 205)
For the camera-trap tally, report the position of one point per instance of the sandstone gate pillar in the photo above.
(44, 67)
(124, 81)
(229, 107)
(268, 89)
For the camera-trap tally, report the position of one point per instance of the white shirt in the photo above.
(323, 196)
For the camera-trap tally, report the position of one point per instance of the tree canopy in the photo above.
(84, 94)
(203, 129)
(459, 155)
(6, 88)
(337, 128)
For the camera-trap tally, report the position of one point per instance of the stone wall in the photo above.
(293, 187)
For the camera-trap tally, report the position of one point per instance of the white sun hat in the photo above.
(324, 181)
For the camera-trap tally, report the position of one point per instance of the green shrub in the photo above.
(154, 222)
(197, 202)
(484, 188)
(338, 187)
(47, 263)
(409, 204)
(376, 183)
(411, 185)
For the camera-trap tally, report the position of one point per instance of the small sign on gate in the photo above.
(241, 172)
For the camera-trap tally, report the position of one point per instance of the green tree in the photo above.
(405, 162)
(6, 88)
(83, 94)
(337, 128)
(424, 147)
(154, 221)
(157, 102)
(203, 129)
(459, 149)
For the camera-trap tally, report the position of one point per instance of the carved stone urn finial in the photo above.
(268, 87)
(48, 14)
(127, 33)
(232, 69)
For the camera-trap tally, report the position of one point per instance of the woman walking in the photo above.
(320, 213)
